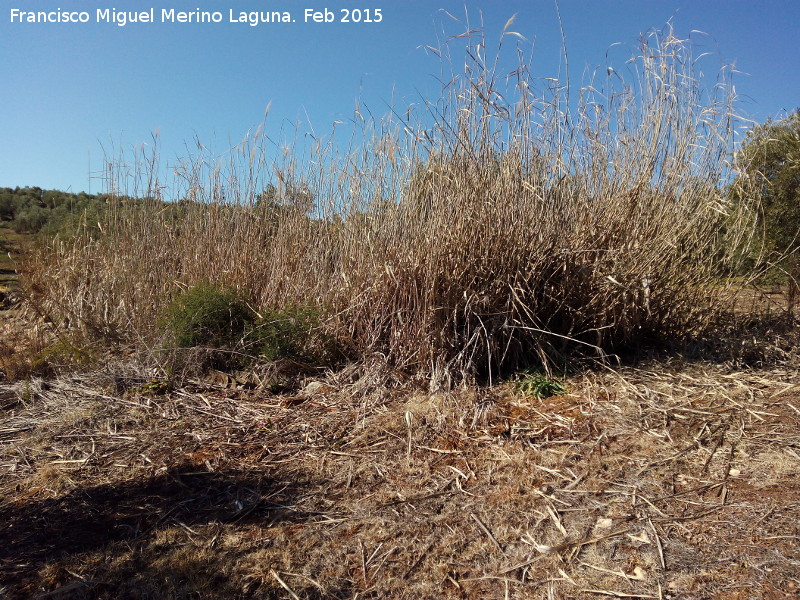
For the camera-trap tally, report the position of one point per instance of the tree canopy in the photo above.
(34, 210)
(771, 154)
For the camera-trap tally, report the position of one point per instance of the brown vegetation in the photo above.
(497, 228)
(667, 481)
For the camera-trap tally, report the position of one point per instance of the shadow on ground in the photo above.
(90, 519)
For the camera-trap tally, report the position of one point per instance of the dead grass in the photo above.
(499, 224)
(662, 481)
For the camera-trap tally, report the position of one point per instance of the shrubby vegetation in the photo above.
(205, 315)
(218, 319)
(34, 210)
(498, 227)
(770, 174)
(294, 332)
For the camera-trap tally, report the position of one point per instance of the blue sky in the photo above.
(71, 90)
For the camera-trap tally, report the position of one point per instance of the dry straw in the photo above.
(500, 224)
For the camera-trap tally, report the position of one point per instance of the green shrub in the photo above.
(216, 318)
(292, 332)
(771, 173)
(64, 353)
(153, 387)
(539, 386)
(208, 315)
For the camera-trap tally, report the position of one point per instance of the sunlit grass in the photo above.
(488, 229)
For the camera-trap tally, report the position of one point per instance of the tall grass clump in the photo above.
(505, 223)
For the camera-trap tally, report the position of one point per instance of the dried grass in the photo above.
(499, 225)
(655, 481)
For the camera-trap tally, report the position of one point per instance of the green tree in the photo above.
(6, 204)
(771, 153)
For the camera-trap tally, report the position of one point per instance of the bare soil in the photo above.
(678, 480)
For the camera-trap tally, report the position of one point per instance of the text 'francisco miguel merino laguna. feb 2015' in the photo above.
(170, 15)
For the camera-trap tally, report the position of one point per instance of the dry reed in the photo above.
(503, 223)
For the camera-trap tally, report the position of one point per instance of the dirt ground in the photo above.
(675, 480)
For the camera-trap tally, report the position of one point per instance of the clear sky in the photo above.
(69, 90)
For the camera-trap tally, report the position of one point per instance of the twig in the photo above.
(487, 532)
(283, 584)
(363, 564)
(617, 594)
(658, 545)
(300, 575)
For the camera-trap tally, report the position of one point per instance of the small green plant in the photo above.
(539, 386)
(153, 387)
(63, 353)
(208, 315)
(27, 391)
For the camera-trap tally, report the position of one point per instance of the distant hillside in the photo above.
(34, 210)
